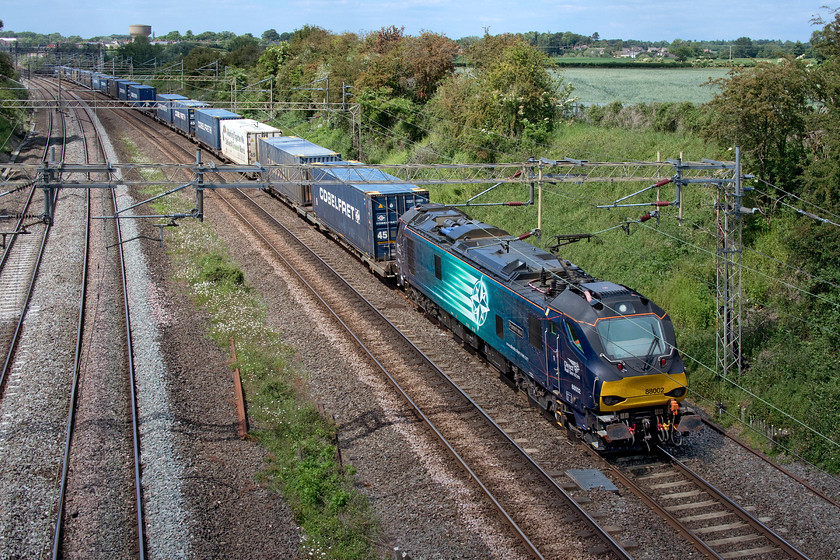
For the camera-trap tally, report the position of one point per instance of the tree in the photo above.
(270, 36)
(743, 48)
(273, 59)
(200, 57)
(509, 91)
(140, 50)
(683, 50)
(411, 67)
(245, 51)
(765, 110)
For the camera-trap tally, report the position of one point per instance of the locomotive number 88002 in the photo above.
(599, 356)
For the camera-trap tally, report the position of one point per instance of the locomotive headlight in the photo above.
(622, 308)
(678, 392)
(611, 400)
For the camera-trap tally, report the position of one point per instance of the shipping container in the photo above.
(240, 137)
(105, 83)
(207, 126)
(183, 114)
(286, 150)
(164, 106)
(142, 96)
(365, 215)
(123, 86)
(85, 78)
(114, 86)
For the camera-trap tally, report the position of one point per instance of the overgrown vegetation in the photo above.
(11, 120)
(334, 518)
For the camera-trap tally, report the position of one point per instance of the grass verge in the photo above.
(335, 519)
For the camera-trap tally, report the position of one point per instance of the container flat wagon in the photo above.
(165, 102)
(141, 95)
(183, 114)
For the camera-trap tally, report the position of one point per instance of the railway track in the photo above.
(23, 249)
(707, 518)
(97, 415)
(520, 490)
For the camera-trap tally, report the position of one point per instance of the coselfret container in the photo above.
(124, 89)
(164, 105)
(142, 96)
(183, 114)
(208, 125)
(287, 150)
(240, 137)
(105, 83)
(365, 215)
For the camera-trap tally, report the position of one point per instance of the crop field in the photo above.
(599, 86)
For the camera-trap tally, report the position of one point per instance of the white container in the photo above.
(239, 139)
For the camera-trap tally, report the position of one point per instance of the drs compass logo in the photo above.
(478, 302)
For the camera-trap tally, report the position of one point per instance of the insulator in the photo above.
(662, 203)
(516, 203)
(645, 218)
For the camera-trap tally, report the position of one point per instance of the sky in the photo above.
(612, 19)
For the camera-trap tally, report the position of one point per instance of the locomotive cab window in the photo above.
(500, 327)
(626, 337)
(572, 335)
(438, 272)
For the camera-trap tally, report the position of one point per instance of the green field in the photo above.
(599, 86)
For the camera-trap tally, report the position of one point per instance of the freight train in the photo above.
(598, 357)
(362, 217)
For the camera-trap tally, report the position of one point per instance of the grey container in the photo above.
(183, 114)
(207, 128)
(85, 78)
(366, 216)
(114, 86)
(287, 150)
(164, 105)
(142, 96)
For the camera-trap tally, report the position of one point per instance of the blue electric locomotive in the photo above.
(598, 356)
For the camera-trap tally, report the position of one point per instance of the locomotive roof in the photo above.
(491, 248)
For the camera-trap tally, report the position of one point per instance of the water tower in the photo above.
(139, 31)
